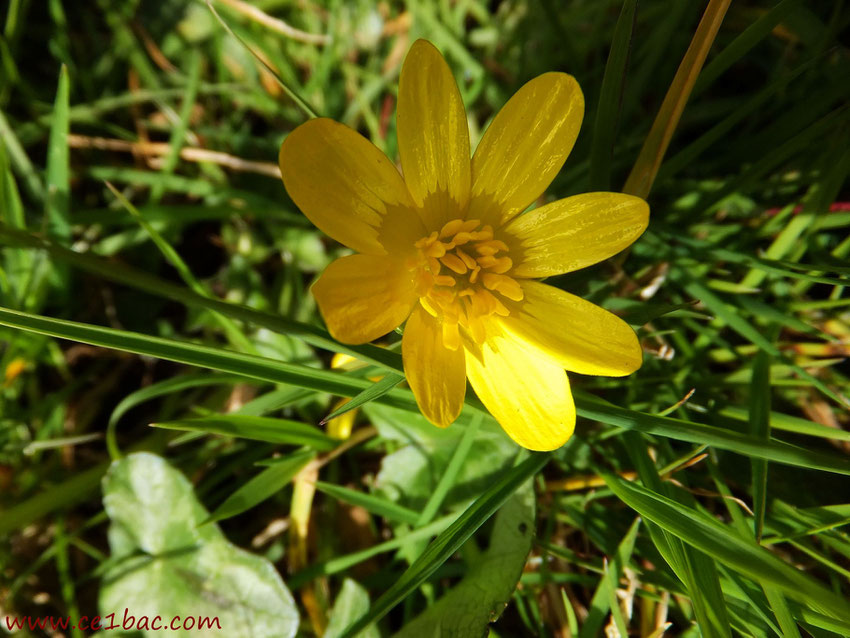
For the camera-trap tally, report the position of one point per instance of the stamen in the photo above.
(469, 261)
(475, 287)
(451, 228)
(462, 238)
(501, 265)
(454, 263)
(504, 285)
(436, 250)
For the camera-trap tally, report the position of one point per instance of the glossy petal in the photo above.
(525, 146)
(343, 183)
(575, 232)
(579, 335)
(363, 297)
(436, 375)
(527, 393)
(433, 136)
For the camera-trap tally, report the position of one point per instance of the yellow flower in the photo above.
(446, 249)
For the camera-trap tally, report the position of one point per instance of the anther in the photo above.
(503, 284)
(436, 249)
(502, 265)
(469, 261)
(454, 263)
(451, 228)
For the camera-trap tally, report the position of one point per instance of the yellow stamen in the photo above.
(455, 263)
(469, 261)
(503, 284)
(478, 285)
(451, 228)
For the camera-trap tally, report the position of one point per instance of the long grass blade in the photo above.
(649, 159)
(716, 540)
(447, 543)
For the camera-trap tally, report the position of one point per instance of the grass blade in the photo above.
(715, 539)
(256, 428)
(760, 428)
(371, 503)
(646, 166)
(234, 334)
(696, 571)
(264, 485)
(681, 430)
(601, 601)
(58, 163)
(178, 133)
(447, 480)
(447, 543)
(161, 288)
(376, 390)
(611, 99)
(265, 369)
(739, 47)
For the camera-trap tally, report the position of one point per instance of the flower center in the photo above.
(462, 278)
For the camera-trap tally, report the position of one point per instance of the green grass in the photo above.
(153, 272)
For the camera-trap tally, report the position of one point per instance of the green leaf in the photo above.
(413, 473)
(165, 565)
(760, 428)
(342, 563)
(696, 571)
(178, 133)
(718, 541)
(739, 47)
(247, 365)
(256, 428)
(610, 99)
(351, 603)
(788, 423)
(58, 162)
(740, 325)
(448, 542)
(601, 602)
(377, 389)
(486, 589)
(371, 503)
(655, 145)
(234, 334)
(681, 430)
(262, 486)
(161, 388)
(141, 280)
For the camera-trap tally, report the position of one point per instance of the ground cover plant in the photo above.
(181, 436)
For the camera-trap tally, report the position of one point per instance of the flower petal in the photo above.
(575, 232)
(579, 335)
(436, 375)
(525, 146)
(343, 183)
(433, 135)
(528, 393)
(363, 297)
